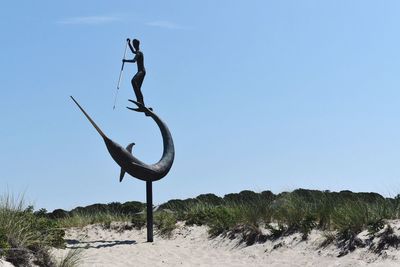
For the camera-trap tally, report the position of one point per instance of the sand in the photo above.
(191, 246)
(5, 264)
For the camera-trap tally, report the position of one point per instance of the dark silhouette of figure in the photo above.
(137, 80)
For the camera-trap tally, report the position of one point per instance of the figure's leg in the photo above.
(136, 89)
(140, 79)
(136, 82)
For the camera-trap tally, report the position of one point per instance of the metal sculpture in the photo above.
(137, 80)
(136, 168)
(124, 157)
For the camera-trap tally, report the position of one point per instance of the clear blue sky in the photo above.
(260, 95)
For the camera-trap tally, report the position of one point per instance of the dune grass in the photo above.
(81, 219)
(251, 217)
(165, 223)
(343, 215)
(257, 217)
(72, 259)
(246, 214)
(26, 238)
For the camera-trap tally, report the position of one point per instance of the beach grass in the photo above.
(73, 258)
(81, 219)
(165, 223)
(251, 217)
(345, 213)
(26, 237)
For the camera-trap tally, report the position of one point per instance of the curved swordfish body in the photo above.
(130, 164)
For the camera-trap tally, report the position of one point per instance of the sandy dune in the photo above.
(5, 264)
(190, 246)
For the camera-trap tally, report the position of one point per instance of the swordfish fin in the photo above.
(129, 148)
(121, 175)
(90, 119)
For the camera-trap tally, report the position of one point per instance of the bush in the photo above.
(210, 199)
(72, 259)
(58, 214)
(244, 196)
(222, 219)
(276, 232)
(323, 209)
(255, 212)
(178, 205)
(352, 217)
(198, 215)
(4, 246)
(132, 207)
(306, 225)
(81, 219)
(295, 213)
(28, 235)
(138, 221)
(165, 222)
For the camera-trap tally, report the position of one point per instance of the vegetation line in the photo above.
(27, 236)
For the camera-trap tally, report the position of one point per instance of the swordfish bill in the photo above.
(129, 163)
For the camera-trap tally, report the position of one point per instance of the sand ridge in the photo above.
(191, 246)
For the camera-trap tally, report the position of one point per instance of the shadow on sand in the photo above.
(74, 244)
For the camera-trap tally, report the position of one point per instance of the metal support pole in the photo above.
(149, 200)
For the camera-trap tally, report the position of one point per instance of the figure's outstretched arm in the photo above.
(130, 60)
(130, 46)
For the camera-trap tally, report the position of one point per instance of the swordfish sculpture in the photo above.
(123, 156)
(129, 163)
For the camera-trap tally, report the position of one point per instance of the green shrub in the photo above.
(4, 246)
(29, 235)
(255, 212)
(81, 219)
(306, 225)
(72, 259)
(165, 222)
(178, 205)
(247, 234)
(276, 232)
(323, 209)
(375, 226)
(132, 207)
(138, 221)
(106, 224)
(58, 214)
(210, 199)
(352, 217)
(245, 196)
(198, 215)
(295, 213)
(222, 219)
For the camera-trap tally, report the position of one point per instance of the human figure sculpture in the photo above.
(123, 156)
(138, 78)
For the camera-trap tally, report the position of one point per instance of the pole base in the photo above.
(149, 202)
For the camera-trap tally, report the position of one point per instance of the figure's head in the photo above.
(136, 43)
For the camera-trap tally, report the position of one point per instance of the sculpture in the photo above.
(133, 166)
(137, 80)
